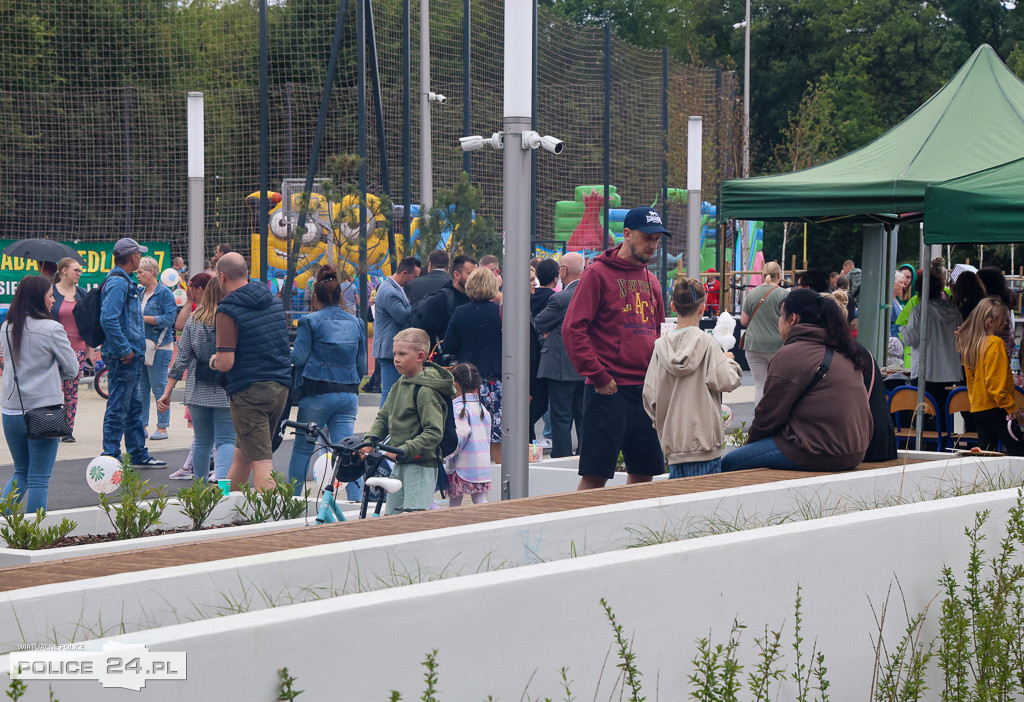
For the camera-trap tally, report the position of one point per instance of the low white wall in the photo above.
(93, 520)
(130, 602)
(501, 633)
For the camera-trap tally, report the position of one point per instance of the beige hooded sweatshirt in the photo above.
(683, 394)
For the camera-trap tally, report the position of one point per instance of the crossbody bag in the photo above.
(743, 336)
(40, 422)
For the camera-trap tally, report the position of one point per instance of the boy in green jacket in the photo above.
(413, 416)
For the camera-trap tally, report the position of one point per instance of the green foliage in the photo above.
(627, 659)
(20, 532)
(459, 209)
(286, 690)
(430, 677)
(899, 675)
(140, 505)
(274, 504)
(717, 669)
(981, 631)
(16, 689)
(737, 436)
(199, 500)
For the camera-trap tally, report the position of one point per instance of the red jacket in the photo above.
(613, 321)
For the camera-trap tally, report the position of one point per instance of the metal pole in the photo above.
(665, 293)
(382, 137)
(746, 94)
(264, 214)
(516, 214)
(407, 125)
(926, 269)
(467, 95)
(694, 144)
(288, 147)
(533, 125)
(426, 167)
(894, 237)
(318, 138)
(127, 119)
(607, 127)
(361, 21)
(196, 176)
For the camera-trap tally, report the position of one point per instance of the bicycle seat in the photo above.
(388, 485)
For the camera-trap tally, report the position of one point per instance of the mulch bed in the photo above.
(86, 539)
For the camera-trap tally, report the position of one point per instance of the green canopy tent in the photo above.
(974, 122)
(986, 207)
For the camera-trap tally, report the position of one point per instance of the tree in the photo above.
(454, 220)
(809, 139)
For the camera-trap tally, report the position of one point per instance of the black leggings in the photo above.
(992, 429)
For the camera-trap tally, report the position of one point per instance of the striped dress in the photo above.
(471, 460)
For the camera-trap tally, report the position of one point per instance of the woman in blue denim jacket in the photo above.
(158, 312)
(330, 361)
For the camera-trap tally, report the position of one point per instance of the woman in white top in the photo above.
(159, 312)
(35, 349)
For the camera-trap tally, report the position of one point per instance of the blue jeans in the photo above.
(123, 417)
(760, 454)
(335, 411)
(389, 375)
(33, 463)
(213, 430)
(689, 470)
(154, 380)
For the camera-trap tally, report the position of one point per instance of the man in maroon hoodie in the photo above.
(609, 332)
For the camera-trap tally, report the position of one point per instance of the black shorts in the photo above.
(614, 423)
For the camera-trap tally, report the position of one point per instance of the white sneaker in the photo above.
(180, 474)
(545, 443)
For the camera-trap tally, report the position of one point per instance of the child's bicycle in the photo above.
(348, 465)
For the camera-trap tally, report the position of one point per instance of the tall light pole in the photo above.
(426, 166)
(746, 94)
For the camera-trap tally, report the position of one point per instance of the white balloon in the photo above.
(322, 472)
(180, 297)
(103, 474)
(170, 277)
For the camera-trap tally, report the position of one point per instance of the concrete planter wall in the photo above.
(156, 598)
(93, 520)
(531, 621)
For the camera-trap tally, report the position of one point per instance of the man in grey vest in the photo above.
(253, 355)
(565, 385)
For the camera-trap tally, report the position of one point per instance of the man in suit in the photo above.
(433, 280)
(565, 385)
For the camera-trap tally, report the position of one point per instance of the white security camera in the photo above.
(437, 97)
(471, 143)
(555, 146)
(531, 140)
(475, 142)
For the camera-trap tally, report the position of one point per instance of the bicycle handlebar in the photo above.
(312, 429)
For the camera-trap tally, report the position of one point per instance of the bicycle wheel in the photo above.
(100, 383)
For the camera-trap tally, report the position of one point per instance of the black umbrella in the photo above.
(41, 250)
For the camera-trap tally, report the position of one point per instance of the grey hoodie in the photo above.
(683, 394)
(940, 349)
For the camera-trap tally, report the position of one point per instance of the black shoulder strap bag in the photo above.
(819, 373)
(41, 422)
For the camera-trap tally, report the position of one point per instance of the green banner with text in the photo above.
(99, 258)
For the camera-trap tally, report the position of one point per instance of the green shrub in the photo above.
(140, 507)
(273, 504)
(199, 500)
(22, 532)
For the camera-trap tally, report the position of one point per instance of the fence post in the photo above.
(607, 126)
(664, 173)
(406, 124)
(364, 293)
(467, 99)
(264, 214)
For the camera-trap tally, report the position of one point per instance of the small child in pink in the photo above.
(469, 466)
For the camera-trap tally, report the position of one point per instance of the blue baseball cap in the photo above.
(646, 220)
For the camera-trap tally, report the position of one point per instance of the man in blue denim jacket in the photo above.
(124, 352)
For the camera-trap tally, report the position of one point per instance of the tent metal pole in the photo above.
(894, 235)
(922, 363)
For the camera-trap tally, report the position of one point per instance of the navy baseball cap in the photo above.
(646, 220)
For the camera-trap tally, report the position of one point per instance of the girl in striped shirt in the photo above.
(469, 466)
